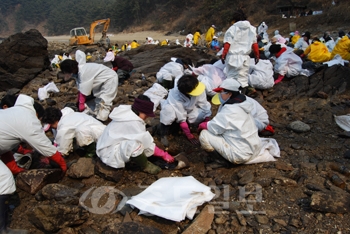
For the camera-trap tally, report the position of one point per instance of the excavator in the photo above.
(80, 37)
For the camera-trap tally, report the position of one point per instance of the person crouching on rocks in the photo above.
(126, 138)
(93, 78)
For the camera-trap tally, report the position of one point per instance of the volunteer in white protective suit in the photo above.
(272, 42)
(261, 74)
(171, 72)
(287, 62)
(69, 125)
(20, 123)
(186, 103)
(303, 42)
(126, 137)
(262, 31)
(232, 133)
(211, 75)
(239, 40)
(93, 78)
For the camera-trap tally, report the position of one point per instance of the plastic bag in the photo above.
(43, 92)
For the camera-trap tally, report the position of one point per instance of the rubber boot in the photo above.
(164, 131)
(146, 165)
(218, 159)
(3, 212)
(90, 150)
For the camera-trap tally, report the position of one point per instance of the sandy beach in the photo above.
(124, 37)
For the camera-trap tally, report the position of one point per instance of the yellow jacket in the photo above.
(196, 37)
(164, 43)
(295, 38)
(210, 34)
(317, 52)
(134, 45)
(342, 48)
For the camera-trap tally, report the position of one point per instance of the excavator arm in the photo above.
(106, 23)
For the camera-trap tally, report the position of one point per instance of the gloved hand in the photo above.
(23, 150)
(115, 68)
(81, 101)
(206, 119)
(279, 79)
(163, 154)
(57, 158)
(255, 48)
(225, 51)
(203, 126)
(186, 130)
(8, 159)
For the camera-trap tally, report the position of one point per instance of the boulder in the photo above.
(33, 180)
(107, 172)
(202, 222)
(299, 127)
(83, 168)
(51, 218)
(59, 192)
(130, 227)
(331, 202)
(22, 57)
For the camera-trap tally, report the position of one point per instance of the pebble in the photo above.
(299, 126)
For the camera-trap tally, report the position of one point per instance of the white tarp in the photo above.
(43, 92)
(343, 121)
(173, 198)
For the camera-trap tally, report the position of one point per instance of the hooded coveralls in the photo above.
(124, 137)
(317, 52)
(84, 128)
(196, 37)
(19, 123)
(288, 63)
(261, 74)
(342, 48)
(301, 44)
(210, 75)
(259, 114)
(170, 71)
(100, 80)
(181, 108)
(232, 133)
(241, 36)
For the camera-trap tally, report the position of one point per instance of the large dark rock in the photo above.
(107, 172)
(33, 180)
(22, 57)
(51, 218)
(83, 168)
(60, 192)
(331, 202)
(130, 227)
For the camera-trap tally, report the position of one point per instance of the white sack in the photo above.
(343, 121)
(173, 198)
(43, 92)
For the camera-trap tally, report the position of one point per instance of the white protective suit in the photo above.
(234, 135)
(181, 108)
(302, 44)
(240, 36)
(262, 29)
(124, 137)
(100, 80)
(261, 74)
(84, 128)
(20, 124)
(330, 45)
(211, 75)
(170, 71)
(259, 114)
(288, 63)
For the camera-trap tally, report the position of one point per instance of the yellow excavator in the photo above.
(80, 37)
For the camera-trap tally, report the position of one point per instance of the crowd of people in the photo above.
(233, 136)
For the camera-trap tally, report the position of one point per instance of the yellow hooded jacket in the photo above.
(295, 38)
(164, 43)
(196, 37)
(342, 48)
(317, 52)
(134, 45)
(210, 34)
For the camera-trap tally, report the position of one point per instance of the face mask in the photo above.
(222, 101)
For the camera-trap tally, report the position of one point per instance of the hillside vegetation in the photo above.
(57, 18)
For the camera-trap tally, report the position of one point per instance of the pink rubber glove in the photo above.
(81, 101)
(206, 119)
(163, 154)
(203, 126)
(186, 130)
(279, 79)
